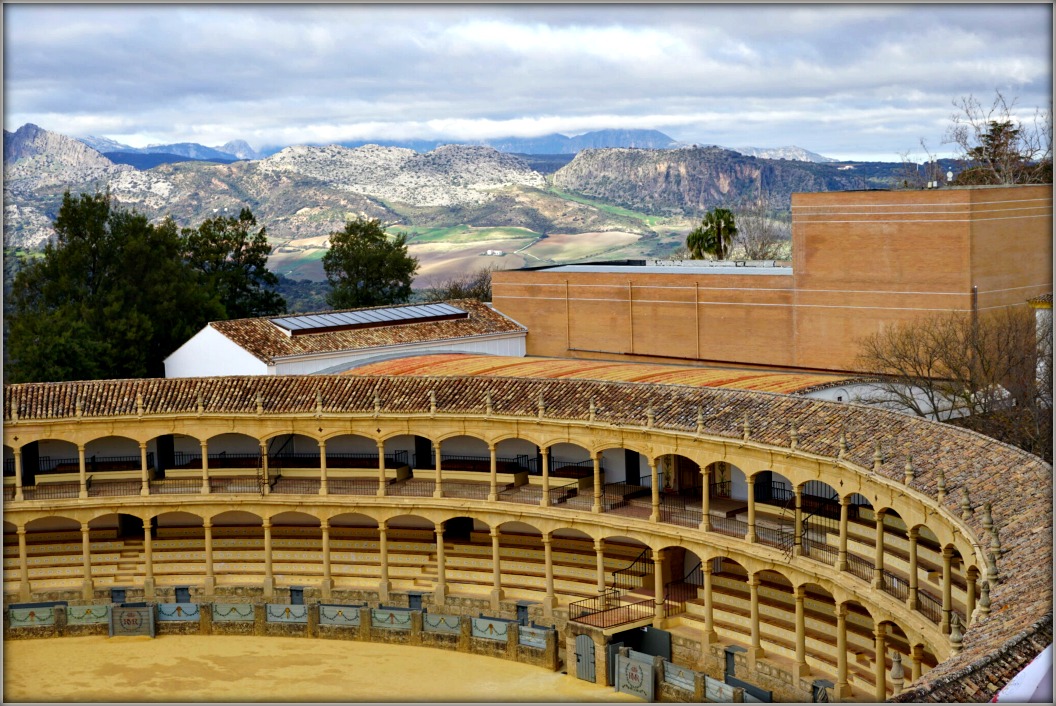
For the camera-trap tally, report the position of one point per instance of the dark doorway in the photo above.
(183, 594)
(414, 601)
(166, 456)
(633, 466)
(458, 528)
(423, 452)
(117, 595)
(296, 595)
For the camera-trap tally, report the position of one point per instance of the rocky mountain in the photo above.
(794, 153)
(552, 144)
(240, 149)
(452, 175)
(38, 166)
(693, 179)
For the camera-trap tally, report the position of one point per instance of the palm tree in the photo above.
(713, 236)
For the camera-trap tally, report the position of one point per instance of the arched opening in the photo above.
(238, 548)
(178, 553)
(820, 510)
(50, 461)
(679, 476)
(292, 451)
(9, 471)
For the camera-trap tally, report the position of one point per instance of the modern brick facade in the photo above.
(862, 260)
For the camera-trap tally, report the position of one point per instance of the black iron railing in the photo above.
(782, 538)
(413, 487)
(481, 464)
(108, 489)
(729, 526)
(51, 491)
(298, 486)
(673, 511)
(524, 494)
(929, 606)
(819, 551)
(676, 593)
(175, 485)
(356, 486)
(233, 485)
(562, 493)
(617, 494)
(609, 598)
(219, 460)
(466, 489)
(635, 574)
(895, 586)
(860, 567)
(720, 489)
(773, 493)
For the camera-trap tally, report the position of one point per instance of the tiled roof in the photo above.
(1019, 486)
(1042, 300)
(458, 364)
(268, 342)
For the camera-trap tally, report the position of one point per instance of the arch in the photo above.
(53, 456)
(112, 453)
(286, 450)
(177, 518)
(52, 523)
(680, 475)
(236, 518)
(410, 521)
(294, 518)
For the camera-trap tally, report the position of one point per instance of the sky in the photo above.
(850, 81)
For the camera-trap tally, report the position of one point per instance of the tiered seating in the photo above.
(55, 558)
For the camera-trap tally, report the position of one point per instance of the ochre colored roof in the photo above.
(461, 364)
(268, 342)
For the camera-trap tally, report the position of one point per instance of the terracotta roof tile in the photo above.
(269, 343)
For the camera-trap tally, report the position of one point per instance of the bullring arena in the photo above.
(803, 548)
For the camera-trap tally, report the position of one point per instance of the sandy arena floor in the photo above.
(175, 668)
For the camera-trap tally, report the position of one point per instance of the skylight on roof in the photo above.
(367, 318)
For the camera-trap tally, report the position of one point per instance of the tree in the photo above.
(997, 146)
(713, 236)
(990, 373)
(366, 268)
(110, 298)
(758, 233)
(472, 285)
(234, 263)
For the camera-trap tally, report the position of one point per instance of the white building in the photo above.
(335, 341)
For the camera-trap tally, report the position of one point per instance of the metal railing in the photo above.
(617, 494)
(773, 493)
(562, 493)
(609, 598)
(524, 494)
(820, 551)
(233, 485)
(676, 593)
(720, 489)
(482, 464)
(217, 460)
(297, 486)
(929, 606)
(729, 526)
(782, 538)
(635, 574)
(466, 489)
(355, 486)
(895, 586)
(51, 491)
(107, 489)
(673, 511)
(860, 567)
(176, 486)
(412, 487)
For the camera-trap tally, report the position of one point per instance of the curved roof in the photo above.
(460, 364)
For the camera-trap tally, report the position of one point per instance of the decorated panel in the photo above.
(490, 628)
(232, 613)
(31, 617)
(178, 612)
(390, 619)
(286, 613)
(87, 614)
(339, 615)
(438, 622)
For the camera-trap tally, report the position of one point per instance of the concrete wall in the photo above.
(209, 352)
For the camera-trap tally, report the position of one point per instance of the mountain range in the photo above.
(305, 192)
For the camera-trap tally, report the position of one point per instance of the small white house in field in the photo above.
(334, 341)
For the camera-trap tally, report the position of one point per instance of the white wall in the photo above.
(210, 353)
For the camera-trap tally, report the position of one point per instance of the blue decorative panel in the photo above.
(390, 619)
(681, 677)
(87, 614)
(438, 622)
(490, 629)
(178, 612)
(286, 613)
(232, 613)
(343, 615)
(31, 617)
(533, 637)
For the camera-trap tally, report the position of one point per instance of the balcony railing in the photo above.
(356, 486)
(217, 460)
(481, 464)
(720, 489)
(673, 511)
(175, 486)
(412, 487)
(51, 491)
(729, 526)
(563, 493)
(466, 489)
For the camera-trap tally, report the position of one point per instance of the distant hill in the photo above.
(794, 153)
(149, 160)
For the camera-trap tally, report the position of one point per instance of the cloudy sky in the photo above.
(847, 81)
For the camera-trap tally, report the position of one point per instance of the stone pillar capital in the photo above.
(324, 524)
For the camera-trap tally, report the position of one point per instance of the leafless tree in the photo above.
(917, 175)
(472, 285)
(998, 146)
(760, 235)
(991, 373)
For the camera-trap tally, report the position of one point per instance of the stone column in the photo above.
(210, 577)
(880, 672)
(655, 516)
(878, 556)
(82, 471)
(947, 601)
(384, 586)
(148, 561)
(87, 584)
(550, 602)
(493, 489)
(917, 653)
(264, 466)
(802, 669)
(710, 635)
(440, 593)
(328, 580)
(705, 502)
(383, 486)
(841, 557)
(596, 458)
(23, 565)
(599, 554)
(544, 455)
(842, 690)
(751, 536)
(914, 582)
(144, 480)
(753, 588)
(324, 488)
(19, 497)
(971, 577)
(438, 490)
(269, 579)
(797, 529)
(658, 588)
(205, 468)
(496, 570)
